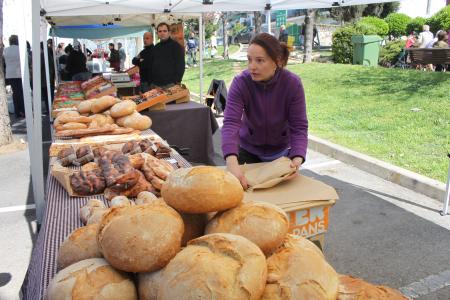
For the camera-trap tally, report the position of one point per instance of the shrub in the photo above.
(373, 25)
(390, 52)
(440, 20)
(415, 24)
(342, 48)
(397, 23)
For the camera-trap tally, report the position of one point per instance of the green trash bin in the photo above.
(366, 49)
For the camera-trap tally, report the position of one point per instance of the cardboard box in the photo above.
(305, 200)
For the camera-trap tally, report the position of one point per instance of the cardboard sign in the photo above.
(309, 222)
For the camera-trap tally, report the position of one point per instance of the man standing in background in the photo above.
(283, 34)
(168, 60)
(114, 59)
(144, 61)
(122, 56)
(192, 45)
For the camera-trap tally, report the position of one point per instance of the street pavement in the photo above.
(379, 231)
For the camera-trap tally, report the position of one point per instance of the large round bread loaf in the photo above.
(137, 121)
(264, 224)
(299, 273)
(202, 189)
(84, 107)
(148, 285)
(91, 278)
(103, 103)
(123, 108)
(141, 238)
(81, 244)
(217, 266)
(351, 288)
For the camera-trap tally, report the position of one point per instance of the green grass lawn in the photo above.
(369, 110)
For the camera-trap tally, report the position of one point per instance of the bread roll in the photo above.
(90, 166)
(72, 113)
(202, 189)
(148, 285)
(97, 215)
(103, 103)
(137, 121)
(87, 210)
(146, 198)
(91, 278)
(101, 119)
(71, 126)
(136, 160)
(85, 107)
(124, 108)
(351, 288)
(194, 226)
(79, 245)
(217, 266)
(141, 238)
(264, 224)
(73, 119)
(121, 201)
(299, 273)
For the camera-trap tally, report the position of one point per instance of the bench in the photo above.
(425, 56)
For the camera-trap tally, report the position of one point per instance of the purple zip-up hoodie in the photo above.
(266, 118)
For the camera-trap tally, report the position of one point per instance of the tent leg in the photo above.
(47, 74)
(200, 24)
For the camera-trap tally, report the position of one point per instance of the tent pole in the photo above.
(269, 23)
(37, 159)
(200, 27)
(47, 74)
(54, 62)
(27, 98)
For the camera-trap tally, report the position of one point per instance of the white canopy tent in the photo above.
(78, 12)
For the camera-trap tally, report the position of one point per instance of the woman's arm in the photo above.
(298, 124)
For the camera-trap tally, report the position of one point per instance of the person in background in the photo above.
(283, 34)
(114, 58)
(51, 71)
(411, 40)
(442, 43)
(265, 116)
(122, 56)
(213, 44)
(144, 61)
(213, 51)
(192, 47)
(76, 64)
(168, 60)
(13, 76)
(425, 37)
(434, 40)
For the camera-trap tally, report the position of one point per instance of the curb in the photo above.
(416, 182)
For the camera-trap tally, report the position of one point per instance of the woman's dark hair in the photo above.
(163, 24)
(13, 40)
(277, 51)
(442, 35)
(111, 44)
(68, 49)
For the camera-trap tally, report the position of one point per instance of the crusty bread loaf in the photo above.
(148, 285)
(79, 245)
(137, 121)
(295, 241)
(71, 126)
(299, 273)
(124, 108)
(351, 288)
(85, 107)
(103, 103)
(87, 210)
(194, 226)
(202, 189)
(264, 224)
(146, 197)
(217, 266)
(101, 119)
(121, 201)
(140, 238)
(91, 278)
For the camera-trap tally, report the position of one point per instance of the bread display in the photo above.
(91, 278)
(264, 224)
(79, 245)
(124, 108)
(296, 272)
(351, 288)
(148, 285)
(202, 189)
(153, 232)
(88, 183)
(87, 210)
(216, 266)
(118, 171)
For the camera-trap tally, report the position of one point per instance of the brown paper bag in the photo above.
(269, 174)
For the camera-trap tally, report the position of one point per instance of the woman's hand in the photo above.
(296, 162)
(234, 168)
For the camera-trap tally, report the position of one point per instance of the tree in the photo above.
(347, 13)
(5, 122)
(440, 20)
(373, 25)
(309, 25)
(381, 10)
(224, 19)
(415, 25)
(397, 23)
(258, 21)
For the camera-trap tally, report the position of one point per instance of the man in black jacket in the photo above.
(168, 59)
(144, 61)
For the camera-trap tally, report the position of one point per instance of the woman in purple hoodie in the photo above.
(265, 116)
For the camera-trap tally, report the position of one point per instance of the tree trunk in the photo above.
(225, 35)
(309, 24)
(258, 21)
(5, 122)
